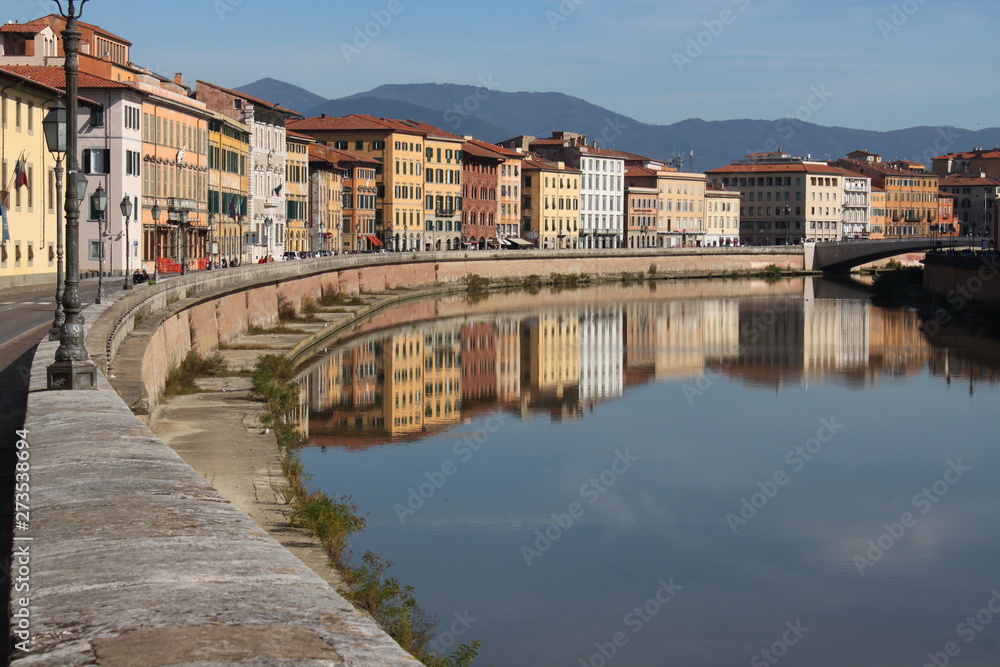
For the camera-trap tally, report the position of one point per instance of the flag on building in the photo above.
(232, 210)
(277, 191)
(6, 230)
(20, 174)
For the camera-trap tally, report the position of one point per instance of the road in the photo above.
(25, 317)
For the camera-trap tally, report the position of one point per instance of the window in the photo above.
(97, 161)
(133, 163)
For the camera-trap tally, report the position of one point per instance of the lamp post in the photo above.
(156, 212)
(212, 243)
(183, 249)
(54, 126)
(73, 367)
(99, 202)
(267, 238)
(126, 209)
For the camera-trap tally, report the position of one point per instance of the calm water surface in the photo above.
(689, 473)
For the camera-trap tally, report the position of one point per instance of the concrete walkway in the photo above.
(133, 558)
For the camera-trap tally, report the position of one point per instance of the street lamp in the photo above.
(156, 212)
(126, 209)
(73, 367)
(99, 203)
(54, 127)
(182, 216)
(267, 238)
(213, 244)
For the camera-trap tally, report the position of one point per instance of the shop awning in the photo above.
(521, 242)
(375, 241)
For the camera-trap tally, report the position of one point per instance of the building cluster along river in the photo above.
(685, 472)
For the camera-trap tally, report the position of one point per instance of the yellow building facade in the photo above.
(299, 238)
(28, 193)
(228, 186)
(442, 192)
(550, 207)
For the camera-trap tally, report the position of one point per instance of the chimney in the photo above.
(179, 78)
(322, 115)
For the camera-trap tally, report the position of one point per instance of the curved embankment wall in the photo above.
(130, 555)
(201, 312)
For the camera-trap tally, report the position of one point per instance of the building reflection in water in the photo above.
(406, 383)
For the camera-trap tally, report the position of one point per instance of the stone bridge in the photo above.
(842, 256)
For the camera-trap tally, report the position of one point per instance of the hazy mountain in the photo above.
(494, 115)
(285, 94)
(383, 108)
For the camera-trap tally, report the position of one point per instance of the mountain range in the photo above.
(492, 115)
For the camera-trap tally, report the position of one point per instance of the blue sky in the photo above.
(864, 64)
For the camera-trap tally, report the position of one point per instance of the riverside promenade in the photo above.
(129, 556)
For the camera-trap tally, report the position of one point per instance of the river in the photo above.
(701, 472)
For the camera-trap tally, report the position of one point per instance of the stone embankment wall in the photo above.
(202, 311)
(130, 556)
(965, 277)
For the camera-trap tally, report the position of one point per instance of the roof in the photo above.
(636, 171)
(23, 28)
(804, 167)
(365, 122)
(54, 90)
(55, 77)
(851, 174)
(479, 149)
(967, 180)
(298, 135)
(884, 168)
(83, 26)
(325, 153)
(549, 142)
(535, 162)
(505, 153)
(250, 98)
(989, 154)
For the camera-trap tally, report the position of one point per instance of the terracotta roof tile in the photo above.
(23, 28)
(968, 180)
(55, 77)
(775, 168)
(366, 122)
(505, 153)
